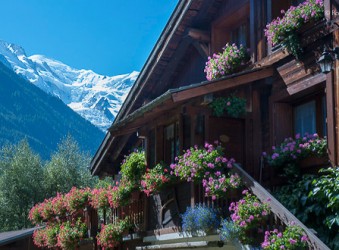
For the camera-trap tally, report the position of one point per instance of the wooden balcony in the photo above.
(157, 218)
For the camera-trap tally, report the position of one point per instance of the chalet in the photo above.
(168, 110)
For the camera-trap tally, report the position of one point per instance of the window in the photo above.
(151, 148)
(171, 142)
(239, 35)
(310, 117)
(305, 118)
(232, 26)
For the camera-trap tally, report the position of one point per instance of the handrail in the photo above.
(276, 207)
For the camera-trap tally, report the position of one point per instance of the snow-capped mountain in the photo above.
(95, 97)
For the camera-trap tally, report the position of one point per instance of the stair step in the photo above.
(211, 245)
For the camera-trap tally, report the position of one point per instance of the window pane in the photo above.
(324, 116)
(305, 118)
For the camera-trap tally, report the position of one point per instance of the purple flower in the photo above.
(292, 241)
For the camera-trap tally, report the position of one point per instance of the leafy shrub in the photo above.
(306, 199)
(133, 167)
(233, 105)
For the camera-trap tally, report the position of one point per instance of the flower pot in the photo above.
(313, 162)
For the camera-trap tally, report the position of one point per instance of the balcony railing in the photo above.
(138, 214)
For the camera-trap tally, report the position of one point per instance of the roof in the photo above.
(169, 100)
(11, 236)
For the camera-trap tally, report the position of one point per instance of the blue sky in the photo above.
(110, 37)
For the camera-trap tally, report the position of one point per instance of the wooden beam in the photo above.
(306, 83)
(202, 48)
(224, 84)
(199, 35)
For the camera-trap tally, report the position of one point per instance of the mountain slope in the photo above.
(28, 112)
(95, 97)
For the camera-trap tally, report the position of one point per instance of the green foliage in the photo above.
(248, 214)
(67, 168)
(110, 236)
(25, 181)
(326, 191)
(21, 177)
(284, 30)
(155, 179)
(291, 151)
(234, 106)
(133, 167)
(292, 238)
(70, 234)
(314, 200)
(229, 61)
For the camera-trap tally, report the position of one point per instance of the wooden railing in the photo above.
(281, 217)
(277, 208)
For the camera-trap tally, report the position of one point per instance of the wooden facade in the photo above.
(166, 110)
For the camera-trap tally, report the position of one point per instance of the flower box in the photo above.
(285, 30)
(314, 161)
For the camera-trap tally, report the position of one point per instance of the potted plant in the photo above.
(51, 235)
(293, 237)
(228, 231)
(71, 233)
(292, 151)
(99, 198)
(207, 166)
(35, 215)
(133, 167)
(284, 30)
(234, 106)
(39, 237)
(248, 214)
(200, 220)
(217, 184)
(229, 61)
(119, 195)
(77, 199)
(110, 236)
(154, 179)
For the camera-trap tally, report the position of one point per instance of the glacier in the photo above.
(97, 98)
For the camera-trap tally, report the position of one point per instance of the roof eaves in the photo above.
(169, 95)
(139, 112)
(8, 237)
(171, 26)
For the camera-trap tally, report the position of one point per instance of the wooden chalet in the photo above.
(167, 109)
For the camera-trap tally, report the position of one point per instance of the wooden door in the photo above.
(230, 133)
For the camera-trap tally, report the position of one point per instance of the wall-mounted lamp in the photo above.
(326, 60)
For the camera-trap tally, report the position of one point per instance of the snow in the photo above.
(95, 97)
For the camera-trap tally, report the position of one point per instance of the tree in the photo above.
(21, 185)
(68, 167)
